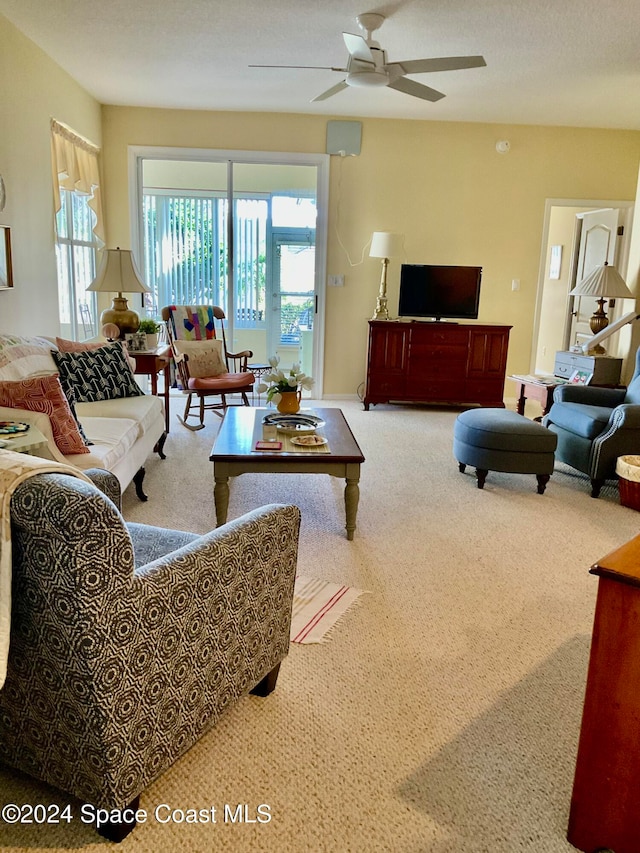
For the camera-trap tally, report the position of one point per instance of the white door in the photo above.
(290, 317)
(598, 243)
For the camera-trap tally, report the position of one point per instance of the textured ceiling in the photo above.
(561, 62)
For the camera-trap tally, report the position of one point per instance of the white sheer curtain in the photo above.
(76, 168)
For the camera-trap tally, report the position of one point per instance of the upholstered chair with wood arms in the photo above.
(596, 425)
(204, 366)
(127, 641)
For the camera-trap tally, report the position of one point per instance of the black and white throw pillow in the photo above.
(99, 374)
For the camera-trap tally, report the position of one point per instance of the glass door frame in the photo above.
(279, 237)
(137, 154)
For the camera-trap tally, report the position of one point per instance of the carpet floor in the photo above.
(443, 715)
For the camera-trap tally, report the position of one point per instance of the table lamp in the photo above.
(604, 282)
(118, 274)
(384, 245)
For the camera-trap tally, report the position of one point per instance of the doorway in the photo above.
(243, 230)
(577, 233)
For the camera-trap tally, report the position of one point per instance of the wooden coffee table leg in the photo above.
(351, 498)
(221, 499)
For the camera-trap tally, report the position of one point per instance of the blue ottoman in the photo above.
(501, 440)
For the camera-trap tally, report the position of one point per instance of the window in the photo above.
(239, 232)
(186, 253)
(76, 249)
(79, 229)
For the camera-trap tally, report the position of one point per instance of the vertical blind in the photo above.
(186, 253)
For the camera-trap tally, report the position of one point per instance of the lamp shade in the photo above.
(118, 274)
(604, 280)
(386, 245)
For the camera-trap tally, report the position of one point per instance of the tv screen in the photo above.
(438, 291)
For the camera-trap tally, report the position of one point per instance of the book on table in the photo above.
(539, 379)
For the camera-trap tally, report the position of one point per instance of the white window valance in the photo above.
(76, 168)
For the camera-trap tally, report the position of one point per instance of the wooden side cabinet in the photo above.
(605, 803)
(421, 362)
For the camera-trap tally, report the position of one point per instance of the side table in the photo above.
(258, 370)
(151, 363)
(533, 388)
(29, 442)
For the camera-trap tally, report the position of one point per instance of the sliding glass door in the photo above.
(242, 235)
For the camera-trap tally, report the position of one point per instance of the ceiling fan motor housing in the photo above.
(367, 79)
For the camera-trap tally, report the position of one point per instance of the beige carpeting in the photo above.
(443, 716)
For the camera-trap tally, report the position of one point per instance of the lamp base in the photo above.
(381, 312)
(597, 323)
(125, 318)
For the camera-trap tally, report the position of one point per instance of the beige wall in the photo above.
(441, 184)
(34, 90)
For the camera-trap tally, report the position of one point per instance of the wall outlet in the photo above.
(336, 281)
(515, 284)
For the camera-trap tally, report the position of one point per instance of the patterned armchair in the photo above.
(127, 641)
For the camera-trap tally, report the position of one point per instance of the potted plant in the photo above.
(150, 328)
(285, 389)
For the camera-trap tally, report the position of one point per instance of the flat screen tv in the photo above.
(438, 291)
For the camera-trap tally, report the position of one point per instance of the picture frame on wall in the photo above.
(6, 270)
(555, 262)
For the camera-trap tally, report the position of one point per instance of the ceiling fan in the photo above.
(367, 65)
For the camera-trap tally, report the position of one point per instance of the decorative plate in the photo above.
(11, 427)
(291, 421)
(309, 440)
(295, 428)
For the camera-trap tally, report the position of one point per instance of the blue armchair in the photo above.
(596, 425)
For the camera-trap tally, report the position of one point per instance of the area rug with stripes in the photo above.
(317, 606)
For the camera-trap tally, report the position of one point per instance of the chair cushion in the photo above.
(228, 383)
(502, 429)
(151, 543)
(99, 374)
(143, 410)
(205, 357)
(585, 421)
(112, 439)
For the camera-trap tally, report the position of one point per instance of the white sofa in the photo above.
(123, 432)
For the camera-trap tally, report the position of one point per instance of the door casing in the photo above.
(138, 153)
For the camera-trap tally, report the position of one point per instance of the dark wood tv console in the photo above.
(431, 362)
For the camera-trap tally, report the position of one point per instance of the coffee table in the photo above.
(233, 454)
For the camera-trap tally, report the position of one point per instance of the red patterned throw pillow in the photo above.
(45, 394)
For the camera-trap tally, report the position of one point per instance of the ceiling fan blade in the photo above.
(358, 48)
(332, 91)
(443, 63)
(410, 87)
(320, 67)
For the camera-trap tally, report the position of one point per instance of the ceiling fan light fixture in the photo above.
(367, 79)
